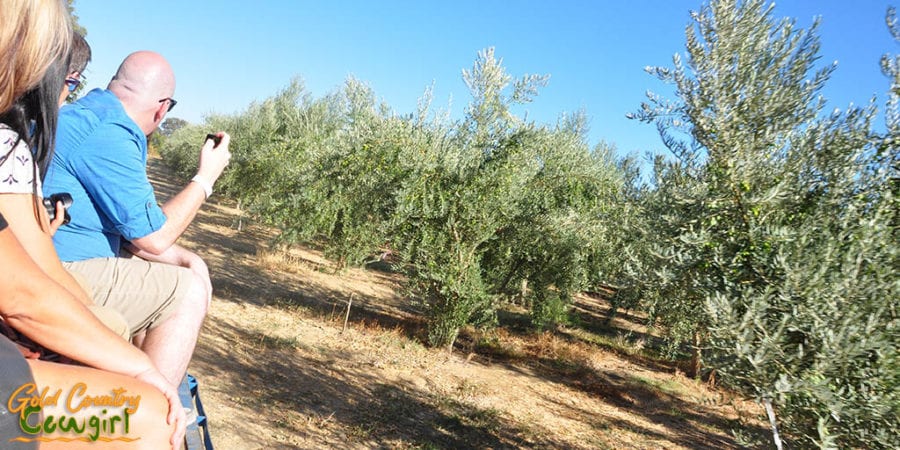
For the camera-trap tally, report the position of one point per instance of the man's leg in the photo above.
(168, 303)
(110, 317)
(171, 344)
(195, 309)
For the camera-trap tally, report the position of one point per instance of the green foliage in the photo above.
(766, 245)
(70, 5)
(464, 192)
(171, 125)
(181, 150)
(890, 66)
(743, 92)
(500, 202)
(441, 221)
(775, 251)
(319, 170)
(470, 209)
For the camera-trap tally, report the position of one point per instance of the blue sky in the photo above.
(228, 53)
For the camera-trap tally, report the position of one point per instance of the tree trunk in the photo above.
(240, 224)
(696, 356)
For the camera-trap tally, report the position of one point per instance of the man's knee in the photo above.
(200, 270)
(186, 295)
(199, 293)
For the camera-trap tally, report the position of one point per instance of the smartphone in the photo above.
(215, 138)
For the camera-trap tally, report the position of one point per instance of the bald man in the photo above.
(119, 239)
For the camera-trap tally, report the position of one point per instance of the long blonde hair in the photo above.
(33, 34)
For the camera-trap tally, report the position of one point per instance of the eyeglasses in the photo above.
(172, 102)
(72, 84)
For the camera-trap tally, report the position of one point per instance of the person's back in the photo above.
(96, 140)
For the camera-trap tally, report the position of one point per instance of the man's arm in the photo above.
(177, 255)
(181, 209)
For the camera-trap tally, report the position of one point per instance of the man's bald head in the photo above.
(143, 79)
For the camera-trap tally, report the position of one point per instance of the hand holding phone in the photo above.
(213, 159)
(215, 138)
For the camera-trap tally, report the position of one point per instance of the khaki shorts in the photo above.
(144, 293)
(110, 317)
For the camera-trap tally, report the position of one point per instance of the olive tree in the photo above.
(774, 256)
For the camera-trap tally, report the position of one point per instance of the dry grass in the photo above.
(277, 369)
(292, 260)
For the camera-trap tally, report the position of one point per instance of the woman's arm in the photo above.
(149, 423)
(19, 210)
(42, 310)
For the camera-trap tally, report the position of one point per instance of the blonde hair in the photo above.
(33, 34)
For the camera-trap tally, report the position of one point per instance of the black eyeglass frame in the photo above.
(172, 102)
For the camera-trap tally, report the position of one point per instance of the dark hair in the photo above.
(34, 115)
(81, 53)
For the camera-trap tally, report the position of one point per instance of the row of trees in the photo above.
(766, 241)
(472, 209)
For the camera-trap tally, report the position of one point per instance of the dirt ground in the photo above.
(277, 368)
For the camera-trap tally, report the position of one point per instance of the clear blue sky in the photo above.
(228, 53)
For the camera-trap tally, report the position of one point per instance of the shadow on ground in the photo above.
(369, 412)
(232, 256)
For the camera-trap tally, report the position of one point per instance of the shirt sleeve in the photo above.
(111, 167)
(18, 174)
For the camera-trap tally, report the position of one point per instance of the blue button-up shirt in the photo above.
(101, 160)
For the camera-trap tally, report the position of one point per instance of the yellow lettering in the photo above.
(20, 403)
(134, 402)
(53, 400)
(26, 396)
(78, 389)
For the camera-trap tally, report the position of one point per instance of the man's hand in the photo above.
(214, 158)
(177, 255)
(181, 209)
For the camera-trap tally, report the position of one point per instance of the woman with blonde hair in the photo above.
(33, 32)
(119, 396)
(34, 38)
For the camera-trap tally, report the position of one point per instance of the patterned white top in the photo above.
(17, 170)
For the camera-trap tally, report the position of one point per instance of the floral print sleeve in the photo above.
(17, 170)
